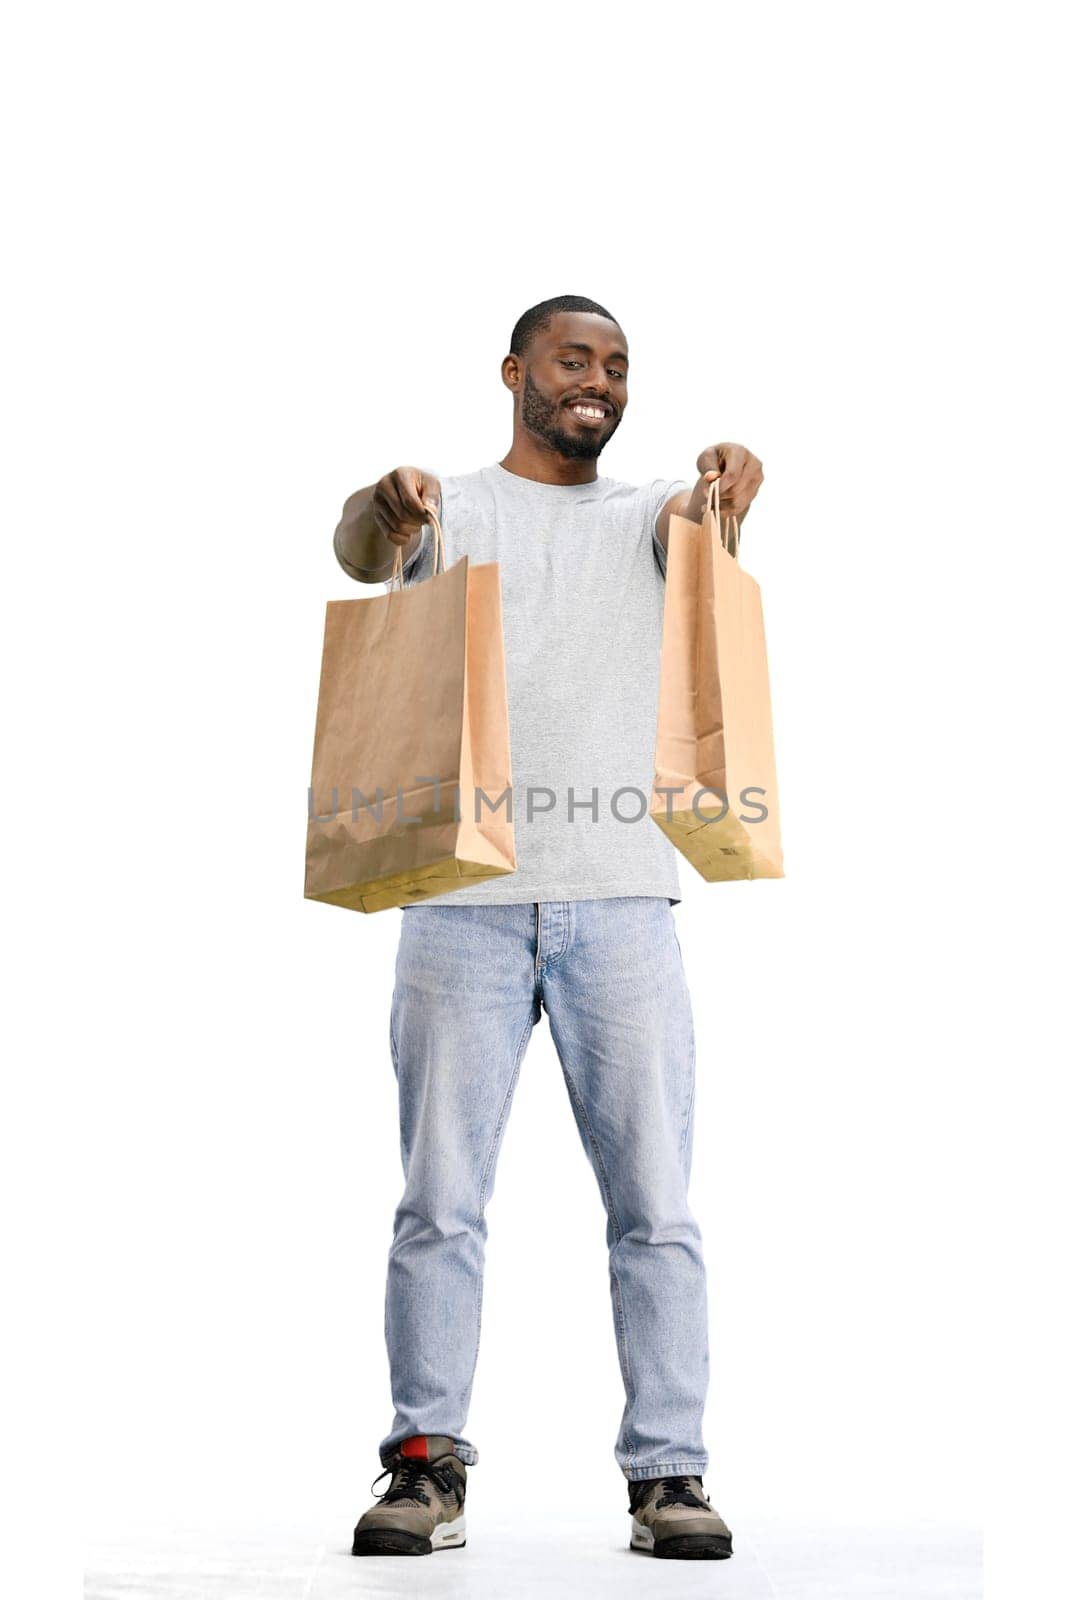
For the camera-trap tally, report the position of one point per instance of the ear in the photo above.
(511, 373)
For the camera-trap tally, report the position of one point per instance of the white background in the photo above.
(265, 255)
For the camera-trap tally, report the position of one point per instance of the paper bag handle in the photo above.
(438, 552)
(730, 545)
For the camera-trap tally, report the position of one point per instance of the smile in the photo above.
(588, 411)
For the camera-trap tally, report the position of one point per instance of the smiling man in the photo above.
(583, 931)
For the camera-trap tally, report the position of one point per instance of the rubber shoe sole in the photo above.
(395, 1542)
(686, 1547)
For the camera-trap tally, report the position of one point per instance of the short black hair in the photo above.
(537, 319)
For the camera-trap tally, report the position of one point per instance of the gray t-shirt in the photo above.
(581, 576)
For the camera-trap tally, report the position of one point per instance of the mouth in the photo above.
(591, 412)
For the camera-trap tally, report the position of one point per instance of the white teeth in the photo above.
(589, 411)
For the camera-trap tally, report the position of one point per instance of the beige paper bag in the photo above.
(714, 741)
(413, 716)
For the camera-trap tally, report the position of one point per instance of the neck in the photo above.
(531, 457)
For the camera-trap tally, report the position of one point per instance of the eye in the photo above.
(617, 374)
(570, 362)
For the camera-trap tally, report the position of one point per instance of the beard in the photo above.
(541, 416)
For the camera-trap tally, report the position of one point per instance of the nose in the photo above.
(599, 388)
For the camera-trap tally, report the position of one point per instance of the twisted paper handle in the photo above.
(397, 573)
(730, 545)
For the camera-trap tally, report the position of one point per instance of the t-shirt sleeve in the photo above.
(660, 492)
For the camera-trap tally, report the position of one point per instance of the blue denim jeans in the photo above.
(471, 982)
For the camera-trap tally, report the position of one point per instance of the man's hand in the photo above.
(399, 502)
(385, 514)
(740, 474)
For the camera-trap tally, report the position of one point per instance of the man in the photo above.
(583, 929)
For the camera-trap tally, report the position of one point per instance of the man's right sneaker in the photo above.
(422, 1509)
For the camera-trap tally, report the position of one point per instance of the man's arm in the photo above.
(375, 520)
(359, 544)
(740, 474)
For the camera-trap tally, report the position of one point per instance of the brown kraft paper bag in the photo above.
(413, 717)
(714, 741)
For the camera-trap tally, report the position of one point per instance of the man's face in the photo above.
(574, 384)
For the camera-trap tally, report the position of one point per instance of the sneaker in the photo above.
(422, 1509)
(673, 1517)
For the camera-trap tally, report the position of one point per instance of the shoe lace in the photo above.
(406, 1485)
(677, 1492)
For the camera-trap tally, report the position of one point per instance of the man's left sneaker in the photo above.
(423, 1509)
(673, 1517)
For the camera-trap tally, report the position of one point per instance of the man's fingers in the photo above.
(732, 457)
(386, 497)
(397, 529)
(402, 509)
(409, 486)
(397, 491)
(742, 481)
